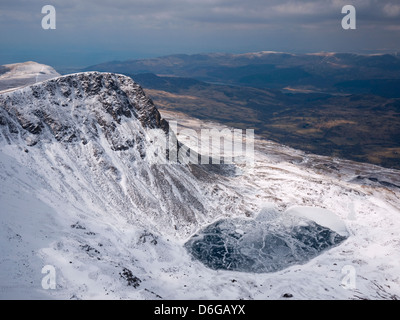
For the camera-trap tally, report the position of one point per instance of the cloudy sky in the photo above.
(93, 31)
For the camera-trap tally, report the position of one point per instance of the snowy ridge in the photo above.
(79, 192)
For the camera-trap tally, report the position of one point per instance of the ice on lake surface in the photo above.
(262, 244)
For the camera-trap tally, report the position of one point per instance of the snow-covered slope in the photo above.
(79, 191)
(80, 147)
(21, 74)
(93, 133)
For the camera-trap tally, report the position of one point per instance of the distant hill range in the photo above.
(322, 72)
(338, 104)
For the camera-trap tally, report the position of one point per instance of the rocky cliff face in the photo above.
(70, 109)
(96, 131)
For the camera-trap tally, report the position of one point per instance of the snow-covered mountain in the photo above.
(80, 191)
(82, 145)
(21, 74)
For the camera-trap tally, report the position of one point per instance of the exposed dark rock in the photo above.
(77, 226)
(131, 280)
(92, 252)
(148, 237)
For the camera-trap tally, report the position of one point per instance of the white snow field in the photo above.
(79, 192)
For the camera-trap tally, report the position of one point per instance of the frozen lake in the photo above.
(269, 243)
